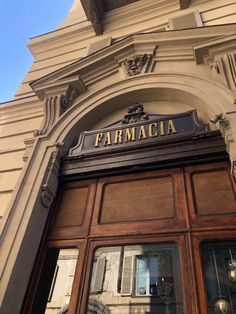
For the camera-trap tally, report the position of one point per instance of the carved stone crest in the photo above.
(135, 114)
(135, 65)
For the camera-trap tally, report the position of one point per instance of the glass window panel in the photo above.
(219, 260)
(55, 286)
(136, 279)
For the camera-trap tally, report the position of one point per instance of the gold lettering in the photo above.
(142, 133)
(171, 127)
(107, 140)
(99, 137)
(152, 127)
(162, 129)
(130, 134)
(118, 136)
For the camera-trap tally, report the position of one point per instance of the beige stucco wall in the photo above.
(68, 43)
(18, 120)
(175, 81)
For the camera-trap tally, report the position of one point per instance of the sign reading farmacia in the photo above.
(138, 130)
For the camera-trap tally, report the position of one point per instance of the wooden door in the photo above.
(173, 210)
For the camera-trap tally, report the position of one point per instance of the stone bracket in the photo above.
(50, 184)
(55, 106)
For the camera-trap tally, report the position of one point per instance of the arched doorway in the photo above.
(138, 217)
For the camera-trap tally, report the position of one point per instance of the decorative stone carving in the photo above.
(220, 118)
(52, 111)
(49, 187)
(135, 64)
(69, 97)
(220, 55)
(225, 67)
(55, 106)
(215, 67)
(47, 196)
(135, 114)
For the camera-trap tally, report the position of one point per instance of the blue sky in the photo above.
(21, 20)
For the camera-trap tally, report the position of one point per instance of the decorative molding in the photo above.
(221, 119)
(134, 65)
(110, 60)
(47, 196)
(224, 123)
(95, 9)
(49, 187)
(220, 56)
(52, 111)
(71, 94)
(206, 51)
(28, 148)
(225, 66)
(55, 106)
(135, 114)
(225, 129)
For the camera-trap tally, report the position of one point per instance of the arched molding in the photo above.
(206, 96)
(24, 223)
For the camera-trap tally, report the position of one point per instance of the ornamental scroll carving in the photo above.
(134, 65)
(49, 187)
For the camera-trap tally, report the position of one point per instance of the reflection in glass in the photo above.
(136, 279)
(219, 259)
(54, 291)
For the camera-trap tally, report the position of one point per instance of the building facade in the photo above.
(117, 172)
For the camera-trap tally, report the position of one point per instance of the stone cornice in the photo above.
(137, 44)
(206, 51)
(94, 10)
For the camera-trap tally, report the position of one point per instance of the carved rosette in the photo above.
(50, 184)
(135, 65)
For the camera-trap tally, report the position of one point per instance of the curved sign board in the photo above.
(138, 130)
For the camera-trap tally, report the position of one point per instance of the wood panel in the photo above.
(213, 192)
(143, 202)
(73, 210)
(211, 196)
(138, 200)
(72, 207)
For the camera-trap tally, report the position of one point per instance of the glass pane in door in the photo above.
(219, 260)
(136, 279)
(55, 284)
